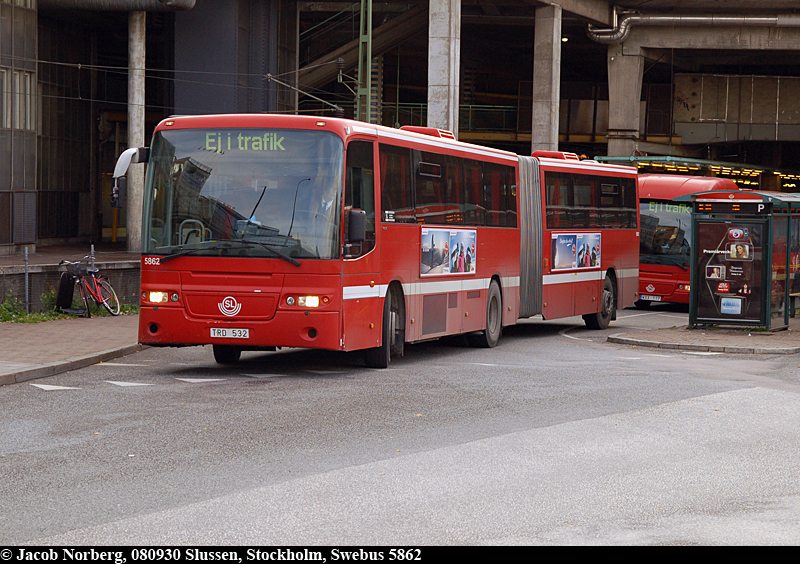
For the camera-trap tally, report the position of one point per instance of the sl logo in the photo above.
(229, 306)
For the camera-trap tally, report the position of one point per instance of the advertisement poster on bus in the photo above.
(729, 265)
(575, 250)
(448, 251)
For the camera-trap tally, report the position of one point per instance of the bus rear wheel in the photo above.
(393, 333)
(490, 336)
(227, 354)
(602, 318)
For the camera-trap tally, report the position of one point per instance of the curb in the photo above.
(53, 368)
(622, 340)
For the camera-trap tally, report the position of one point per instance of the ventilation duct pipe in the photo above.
(118, 5)
(625, 21)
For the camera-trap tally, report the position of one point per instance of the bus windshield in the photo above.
(244, 193)
(666, 233)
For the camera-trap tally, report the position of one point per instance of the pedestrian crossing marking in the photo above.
(52, 388)
(200, 380)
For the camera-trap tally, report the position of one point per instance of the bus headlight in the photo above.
(157, 297)
(308, 301)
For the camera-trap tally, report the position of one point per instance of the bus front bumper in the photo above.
(172, 327)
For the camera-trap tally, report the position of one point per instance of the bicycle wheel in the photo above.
(110, 300)
(83, 296)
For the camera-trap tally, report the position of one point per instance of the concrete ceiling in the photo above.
(501, 18)
(711, 6)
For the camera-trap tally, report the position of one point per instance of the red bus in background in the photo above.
(267, 231)
(666, 235)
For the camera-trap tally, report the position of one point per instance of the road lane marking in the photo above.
(563, 333)
(200, 380)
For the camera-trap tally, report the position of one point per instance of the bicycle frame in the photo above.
(93, 288)
(92, 285)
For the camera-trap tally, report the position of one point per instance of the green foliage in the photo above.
(49, 300)
(13, 310)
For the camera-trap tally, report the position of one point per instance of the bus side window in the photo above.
(397, 189)
(582, 188)
(432, 201)
(359, 190)
(511, 196)
(629, 202)
(473, 209)
(611, 202)
(558, 200)
(494, 190)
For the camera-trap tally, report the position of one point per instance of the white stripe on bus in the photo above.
(591, 276)
(424, 288)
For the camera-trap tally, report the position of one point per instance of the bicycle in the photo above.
(90, 285)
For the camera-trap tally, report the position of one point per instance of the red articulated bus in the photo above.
(265, 231)
(666, 235)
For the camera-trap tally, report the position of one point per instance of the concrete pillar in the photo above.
(444, 59)
(136, 68)
(546, 78)
(625, 72)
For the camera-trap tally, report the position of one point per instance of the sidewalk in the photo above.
(716, 339)
(37, 350)
(48, 256)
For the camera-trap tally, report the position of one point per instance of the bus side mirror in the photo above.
(129, 156)
(118, 191)
(120, 186)
(357, 231)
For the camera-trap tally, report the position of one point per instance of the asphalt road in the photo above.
(553, 437)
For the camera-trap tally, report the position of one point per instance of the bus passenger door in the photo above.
(362, 311)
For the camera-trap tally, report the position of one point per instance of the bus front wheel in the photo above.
(227, 354)
(602, 318)
(393, 331)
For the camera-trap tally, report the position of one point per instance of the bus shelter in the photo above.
(745, 258)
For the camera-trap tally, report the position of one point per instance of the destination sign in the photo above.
(222, 142)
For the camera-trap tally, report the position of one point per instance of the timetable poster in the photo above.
(729, 269)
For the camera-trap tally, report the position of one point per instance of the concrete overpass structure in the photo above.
(686, 36)
(706, 79)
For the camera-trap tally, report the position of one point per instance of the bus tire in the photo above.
(489, 337)
(602, 318)
(227, 354)
(392, 331)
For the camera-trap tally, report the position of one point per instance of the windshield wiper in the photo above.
(190, 251)
(227, 247)
(264, 245)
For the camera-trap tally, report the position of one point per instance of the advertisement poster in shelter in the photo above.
(729, 271)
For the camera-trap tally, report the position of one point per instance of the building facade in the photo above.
(589, 77)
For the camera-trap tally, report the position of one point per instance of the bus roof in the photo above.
(669, 186)
(341, 126)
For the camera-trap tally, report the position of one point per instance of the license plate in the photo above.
(650, 298)
(229, 333)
